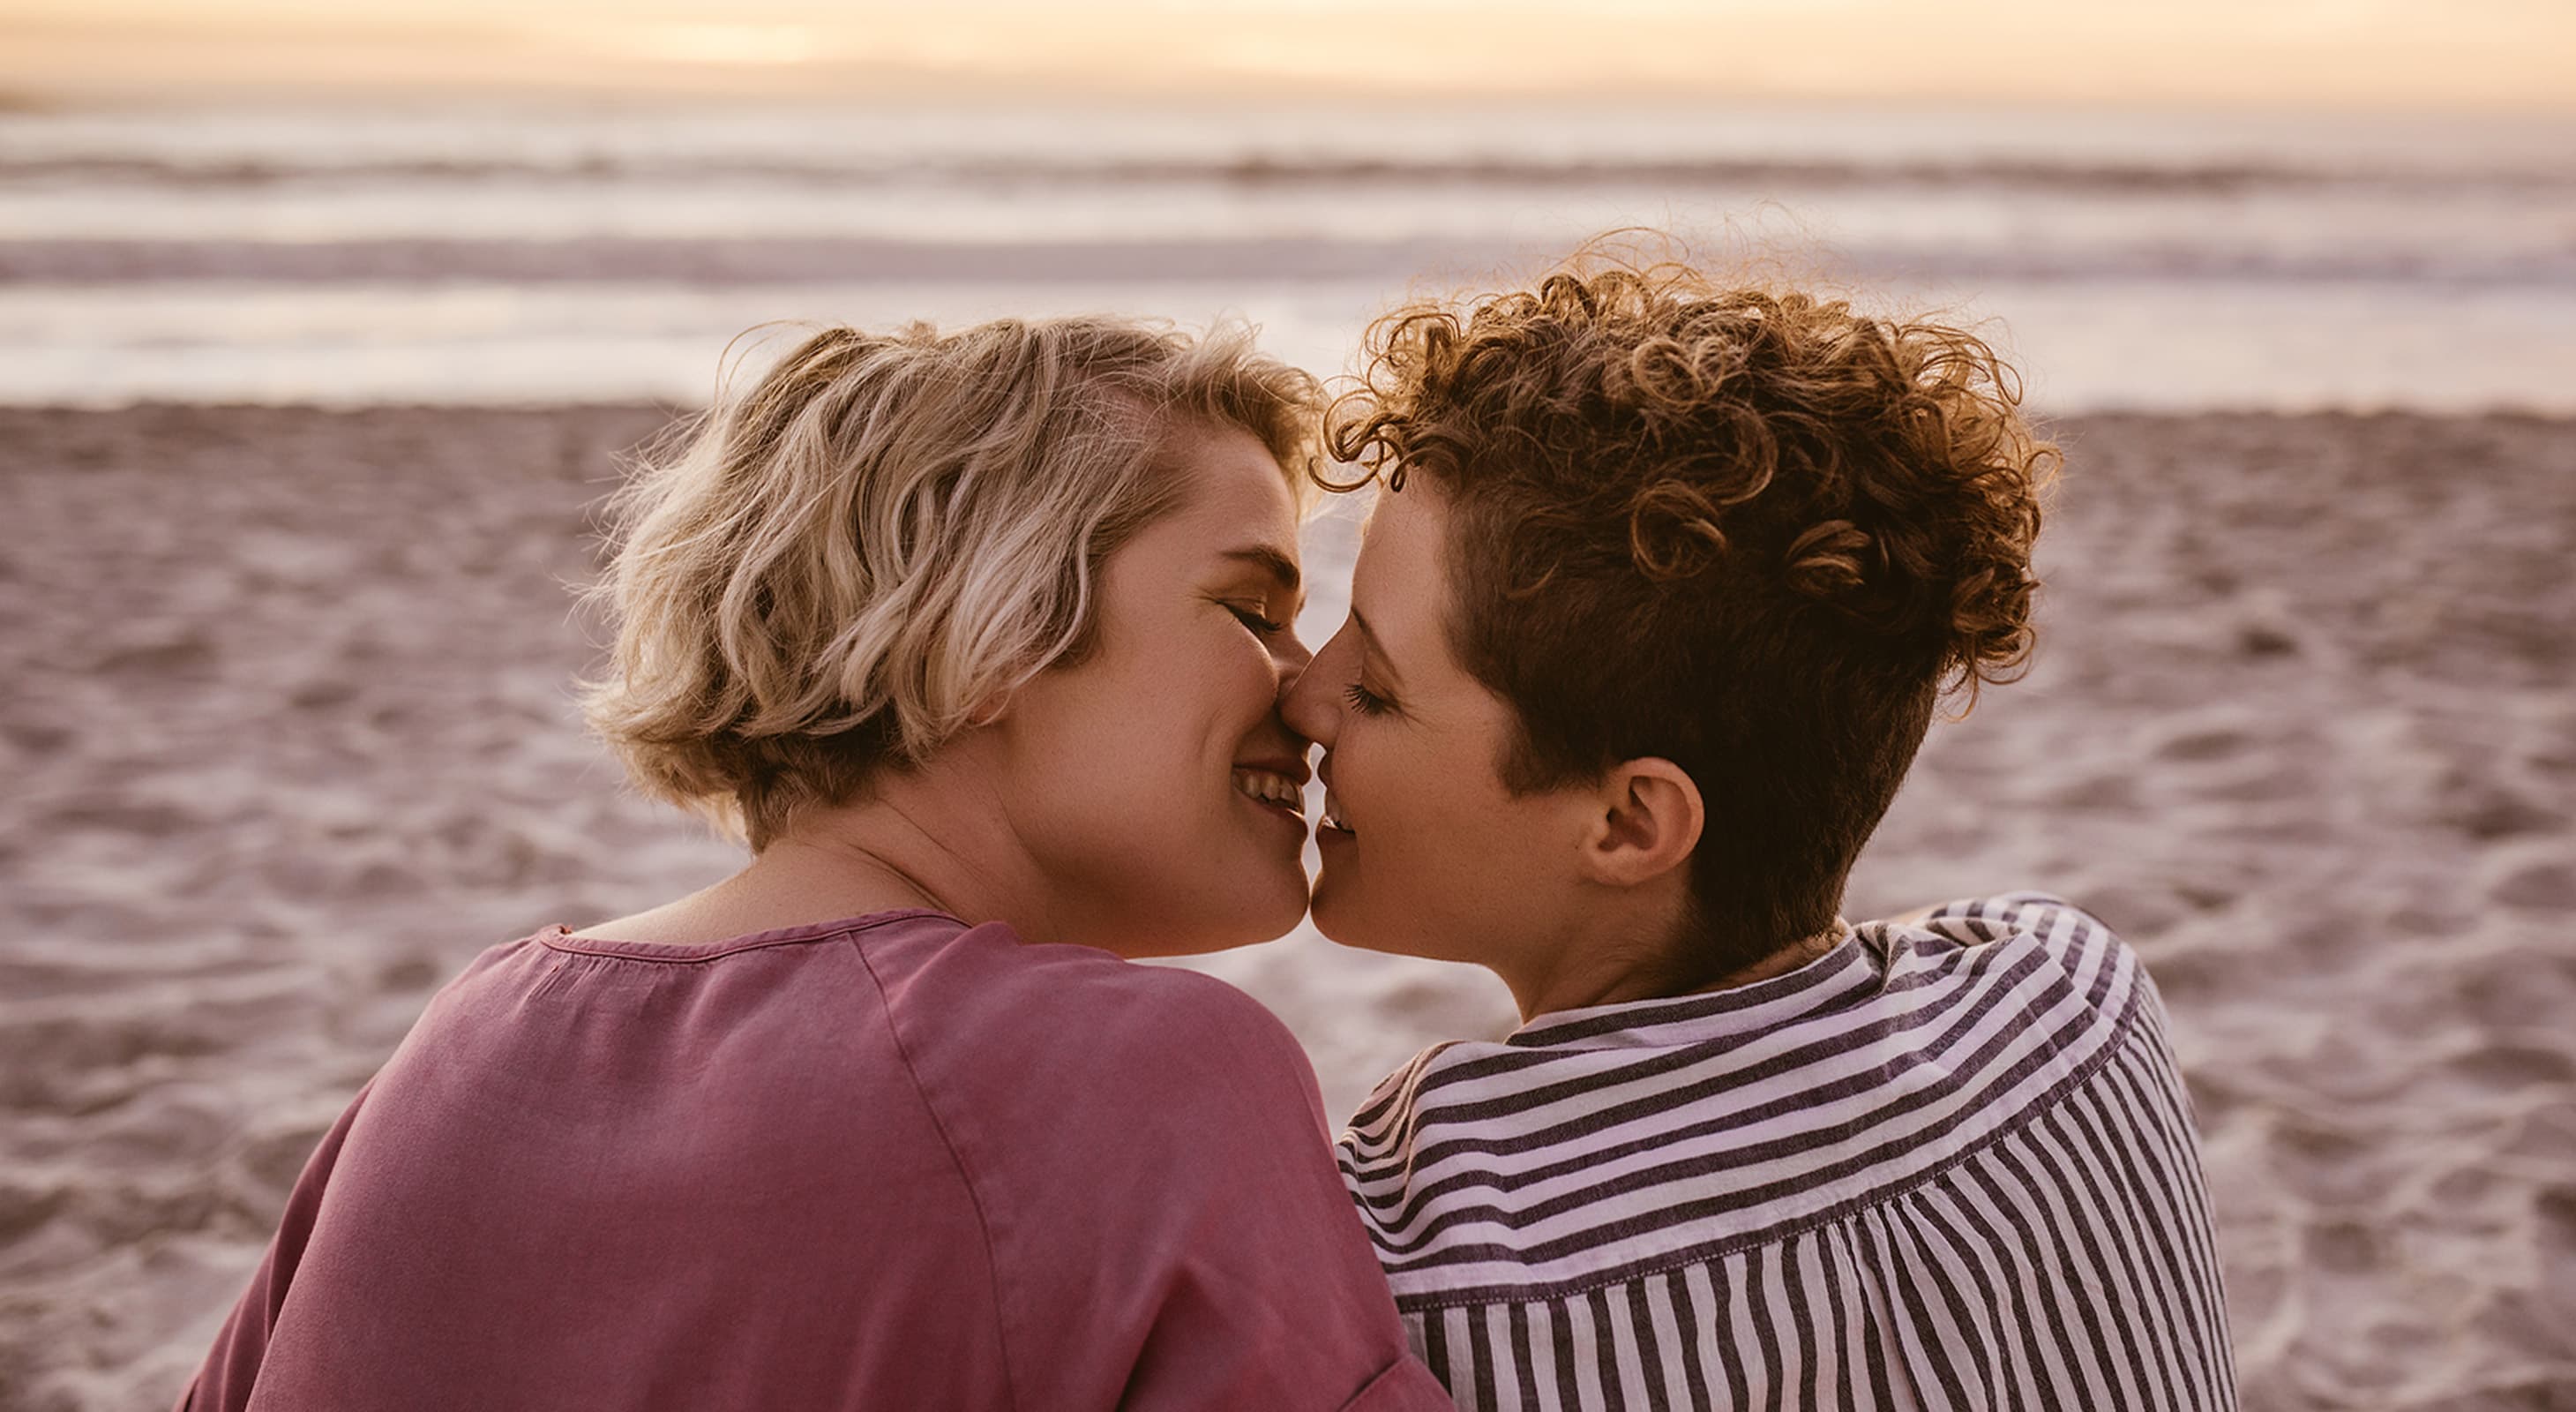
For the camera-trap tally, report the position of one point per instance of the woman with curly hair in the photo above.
(977, 640)
(1664, 583)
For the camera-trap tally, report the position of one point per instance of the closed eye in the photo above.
(1255, 621)
(1365, 701)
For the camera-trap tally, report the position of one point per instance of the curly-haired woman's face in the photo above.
(1153, 781)
(1424, 850)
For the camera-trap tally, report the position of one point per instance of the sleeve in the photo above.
(1167, 1226)
(1273, 1297)
(223, 1382)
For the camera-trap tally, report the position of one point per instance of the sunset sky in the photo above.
(2462, 55)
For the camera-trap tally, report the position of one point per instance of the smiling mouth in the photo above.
(1272, 788)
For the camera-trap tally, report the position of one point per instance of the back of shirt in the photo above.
(1944, 1166)
(601, 1174)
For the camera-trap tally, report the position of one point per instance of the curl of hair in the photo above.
(831, 573)
(1741, 527)
(1912, 482)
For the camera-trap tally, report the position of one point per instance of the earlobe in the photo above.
(1649, 820)
(988, 710)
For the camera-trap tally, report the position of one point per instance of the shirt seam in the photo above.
(2092, 1064)
(625, 950)
(1380, 1151)
(965, 1178)
(1369, 1390)
(1635, 1015)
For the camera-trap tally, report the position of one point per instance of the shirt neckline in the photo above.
(560, 938)
(1843, 970)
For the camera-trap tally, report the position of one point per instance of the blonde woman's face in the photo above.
(1154, 781)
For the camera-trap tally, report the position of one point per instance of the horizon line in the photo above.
(66, 61)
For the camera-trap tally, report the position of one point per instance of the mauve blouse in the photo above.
(889, 1162)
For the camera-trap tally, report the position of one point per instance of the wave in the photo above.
(723, 262)
(1283, 169)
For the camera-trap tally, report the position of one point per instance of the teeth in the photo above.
(1333, 811)
(1271, 787)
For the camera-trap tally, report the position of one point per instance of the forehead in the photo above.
(1400, 546)
(1231, 483)
(1400, 580)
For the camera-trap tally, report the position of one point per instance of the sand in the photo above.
(286, 741)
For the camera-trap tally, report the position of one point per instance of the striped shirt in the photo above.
(1948, 1165)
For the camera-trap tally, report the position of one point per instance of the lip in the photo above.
(1289, 762)
(1293, 766)
(1290, 821)
(1326, 833)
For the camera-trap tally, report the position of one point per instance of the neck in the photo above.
(916, 841)
(1614, 969)
(927, 839)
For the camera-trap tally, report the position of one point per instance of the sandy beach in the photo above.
(287, 739)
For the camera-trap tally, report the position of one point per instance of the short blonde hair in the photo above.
(827, 575)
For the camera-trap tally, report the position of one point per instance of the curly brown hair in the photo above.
(1748, 530)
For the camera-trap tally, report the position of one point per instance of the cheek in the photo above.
(1456, 842)
(1216, 680)
(1397, 886)
(1254, 681)
(1415, 815)
(1163, 738)
(1207, 712)
(1437, 839)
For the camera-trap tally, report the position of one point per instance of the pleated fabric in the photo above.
(1945, 1166)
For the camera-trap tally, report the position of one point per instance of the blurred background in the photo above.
(2307, 203)
(322, 328)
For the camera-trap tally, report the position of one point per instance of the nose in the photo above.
(1308, 706)
(1291, 655)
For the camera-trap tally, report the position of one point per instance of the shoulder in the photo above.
(1192, 1044)
(2045, 915)
(1112, 1008)
(1145, 1020)
(2093, 957)
(1405, 1103)
(1074, 1036)
(1146, 1148)
(2027, 909)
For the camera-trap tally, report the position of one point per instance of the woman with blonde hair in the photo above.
(976, 639)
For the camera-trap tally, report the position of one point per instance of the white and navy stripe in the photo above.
(1944, 1166)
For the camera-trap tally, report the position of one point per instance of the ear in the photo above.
(1648, 821)
(988, 710)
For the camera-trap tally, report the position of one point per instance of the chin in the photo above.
(1348, 920)
(1261, 907)
(1284, 892)
(1345, 925)
(1283, 907)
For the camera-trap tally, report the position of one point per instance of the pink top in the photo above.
(884, 1162)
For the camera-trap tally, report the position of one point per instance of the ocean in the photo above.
(534, 255)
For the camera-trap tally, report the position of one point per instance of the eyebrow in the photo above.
(1273, 562)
